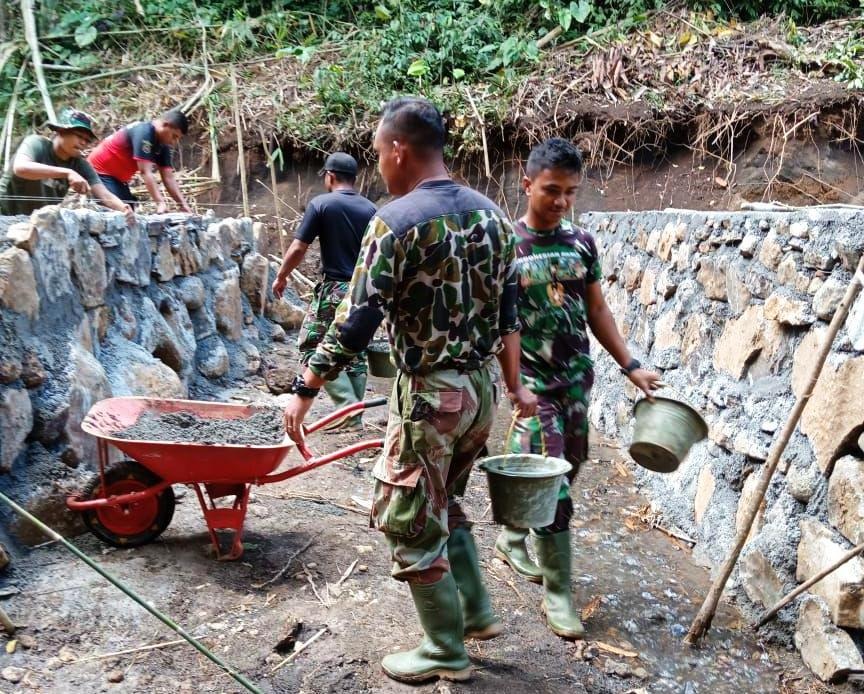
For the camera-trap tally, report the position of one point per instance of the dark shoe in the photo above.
(441, 653)
(554, 556)
(480, 622)
(510, 548)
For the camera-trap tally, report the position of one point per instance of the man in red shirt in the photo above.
(139, 148)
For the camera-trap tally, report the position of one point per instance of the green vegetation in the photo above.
(354, 55)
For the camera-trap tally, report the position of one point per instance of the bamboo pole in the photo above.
(765, 618)
(241, 158)
(201, 648)
(9, 123)
(272, 165)
(702, 622)
(33, 42)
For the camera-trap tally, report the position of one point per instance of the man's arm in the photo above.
(368, 300)
(173, 188)
(145, 168)
(603, 326)
(524, 401)
(107, 198)
(25, 167)
(293, 257)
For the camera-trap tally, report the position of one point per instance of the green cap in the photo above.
(73, 119)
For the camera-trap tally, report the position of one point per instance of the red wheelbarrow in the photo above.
(130, 503)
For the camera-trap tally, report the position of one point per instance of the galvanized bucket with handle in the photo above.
(523, 487)
(664, 431)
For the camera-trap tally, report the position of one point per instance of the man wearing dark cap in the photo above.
(44, 169)
(139, 148)
(338, 219)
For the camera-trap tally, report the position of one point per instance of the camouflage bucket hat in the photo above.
(73, 119)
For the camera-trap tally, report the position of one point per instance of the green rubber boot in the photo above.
(554, 555)
(510, 548)
(480, 622)
(441, 653)
(341, 392)
(358, 384)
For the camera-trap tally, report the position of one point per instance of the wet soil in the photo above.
(637, 587)
(263, 428)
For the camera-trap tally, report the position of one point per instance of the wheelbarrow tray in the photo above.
(179, 462)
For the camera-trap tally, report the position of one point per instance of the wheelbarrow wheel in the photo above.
(134, 524)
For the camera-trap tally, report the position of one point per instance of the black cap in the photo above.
(340, 162)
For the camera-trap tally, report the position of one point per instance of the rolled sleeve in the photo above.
(369, 299)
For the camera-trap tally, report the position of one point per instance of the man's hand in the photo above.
(646, 381)
(130, 215)
(161, 207)
(185, 208)
(295, 413)
(279, 286)
(77, 182)
(524, 401)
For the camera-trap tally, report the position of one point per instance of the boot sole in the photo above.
(563, 633)
(453, 675)
(486, 633)
(529, 577)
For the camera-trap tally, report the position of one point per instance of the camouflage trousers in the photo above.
(438, 424)
(326, 297)
(560, 429)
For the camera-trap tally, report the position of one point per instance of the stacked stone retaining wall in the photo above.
(731, 308)
(92, 308)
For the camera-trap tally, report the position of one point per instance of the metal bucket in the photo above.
(524, 488)
(663, 433)
(378, 357)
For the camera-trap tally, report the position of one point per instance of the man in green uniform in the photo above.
(337, 219)
(44, 169)
(559, 298)
(437, 266)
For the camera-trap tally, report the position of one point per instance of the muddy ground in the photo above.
(638, 589)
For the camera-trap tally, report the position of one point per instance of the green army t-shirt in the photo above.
(555, 268)
(20, 196)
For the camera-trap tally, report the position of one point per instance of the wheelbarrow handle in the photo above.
(343, 412)
(374, 402)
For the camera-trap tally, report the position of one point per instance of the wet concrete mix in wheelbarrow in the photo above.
(264, 428)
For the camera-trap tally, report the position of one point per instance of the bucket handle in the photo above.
(513, 426)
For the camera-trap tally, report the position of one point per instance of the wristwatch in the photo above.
(631, 367)
(299, 387)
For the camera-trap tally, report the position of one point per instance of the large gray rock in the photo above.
(803, 481)
(132, 370)
(88, 268)
(188, 258)
(712, 277)
(212, 357)
(740, 342)
(254, 283)
(191, 291)
(843, 589)
(16, 421)
(759, 578)
(788, 309)
(23, 235)
(88, 384)
(18, 283)
(52, 257)
(289, 316)
(228, 307)
(828, 298)
(163, 260)
(846, 498)
(132, 260)
(828, 651)
(156, 336)
(834, 412)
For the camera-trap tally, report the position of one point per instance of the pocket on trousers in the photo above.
(399, 510)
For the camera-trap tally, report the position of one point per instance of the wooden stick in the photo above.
(702, 622)
(347, 573)
(765, 618)
(286, 567)
(482, 133)
(241, 158)
(614, 649)
(33, 41)
(9, 124)
(302, 647)
(128, 651)
(272, 165)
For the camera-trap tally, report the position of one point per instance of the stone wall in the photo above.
(731, 308)
(90, 308)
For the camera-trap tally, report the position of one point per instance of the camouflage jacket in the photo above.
(438, 266)
(555, 268)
